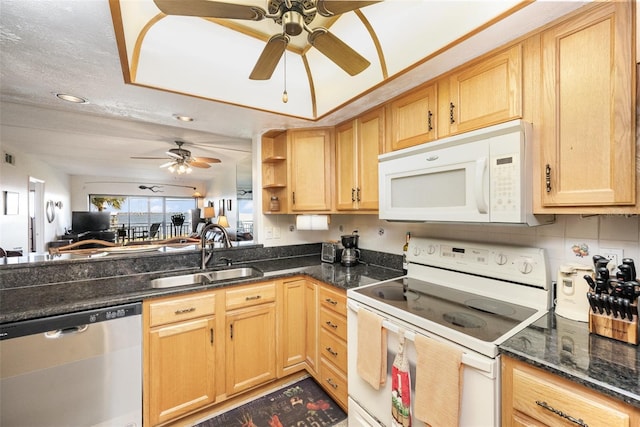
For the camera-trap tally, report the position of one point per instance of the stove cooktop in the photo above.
(477, 316)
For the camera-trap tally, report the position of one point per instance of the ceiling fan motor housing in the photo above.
(292, 18)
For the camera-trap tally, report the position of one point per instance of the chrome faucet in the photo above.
(203, 243)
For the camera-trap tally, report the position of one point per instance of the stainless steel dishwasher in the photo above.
(79, 369)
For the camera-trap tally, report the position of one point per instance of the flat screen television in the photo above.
(82, 221)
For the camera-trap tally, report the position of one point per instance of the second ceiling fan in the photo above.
(294, 16)
(180, 160)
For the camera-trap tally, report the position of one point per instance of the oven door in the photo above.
(447, 184)
(480, 398)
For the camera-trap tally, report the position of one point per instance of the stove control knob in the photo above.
(431, 249)
(417, 251)
(525, 266)
(501, 259)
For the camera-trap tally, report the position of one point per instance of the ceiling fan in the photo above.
(294, 16)
(181, 160)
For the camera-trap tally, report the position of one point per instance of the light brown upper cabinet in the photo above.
(310, 171)
(413, 118)
(587, 129)
(481, 94)
(358, 144)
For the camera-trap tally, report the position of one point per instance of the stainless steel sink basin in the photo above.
(204, 278)
(232, 273)
(185, 279)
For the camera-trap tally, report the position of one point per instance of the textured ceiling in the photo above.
(71, 46)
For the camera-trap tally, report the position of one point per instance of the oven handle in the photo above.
(471, 360)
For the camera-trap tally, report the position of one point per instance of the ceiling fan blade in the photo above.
(147, 158)
(336, 7)
(338, 51)
(206, 159)
(270, 57)
(174, 155)
(210, 9)
(166, 165)
(197, 164)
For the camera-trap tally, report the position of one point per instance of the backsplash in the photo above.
(571, 238)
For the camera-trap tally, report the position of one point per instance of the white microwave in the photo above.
(483, 176)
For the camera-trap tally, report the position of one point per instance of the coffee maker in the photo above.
(350, 253)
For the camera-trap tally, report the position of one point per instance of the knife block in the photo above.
(615, 327)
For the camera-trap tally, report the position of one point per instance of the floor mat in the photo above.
(303, 403)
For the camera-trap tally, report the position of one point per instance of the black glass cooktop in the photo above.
(481, 317)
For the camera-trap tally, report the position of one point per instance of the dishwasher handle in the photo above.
(61, 333)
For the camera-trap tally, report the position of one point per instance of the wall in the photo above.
(14, 229)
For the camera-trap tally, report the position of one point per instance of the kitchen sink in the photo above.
(232, 273)
(205, 278)
(185, 279)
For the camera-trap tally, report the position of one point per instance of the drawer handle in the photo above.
(331, 325)
(186, 310)
(547, 177)
(332, 384)
(550, 408)
(330, 301)
(332, 351)
(252, 298)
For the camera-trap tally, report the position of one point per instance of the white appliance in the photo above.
(470, 295)
(479, 176)
(571, 291)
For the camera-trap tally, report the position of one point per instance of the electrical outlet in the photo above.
(276, 232)
(612, 254)
(268, 232)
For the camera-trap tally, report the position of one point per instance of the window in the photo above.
(136, 215)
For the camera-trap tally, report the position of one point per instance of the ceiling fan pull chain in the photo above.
(285, 96)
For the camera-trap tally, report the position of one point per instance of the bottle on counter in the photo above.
(405, 250)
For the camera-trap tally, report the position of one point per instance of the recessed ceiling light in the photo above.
(183, 118)
(71, 98)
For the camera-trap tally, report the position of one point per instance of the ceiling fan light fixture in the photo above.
(292, 23)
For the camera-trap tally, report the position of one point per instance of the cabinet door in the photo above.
(251, 349)
(486, 93)
(292, 329)
(413, 118)
(310, 165)
(181, 368)
(587, 136)
(311, 342)
(346, 166)
(370, 140)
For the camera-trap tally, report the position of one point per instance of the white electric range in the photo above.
(471, 295)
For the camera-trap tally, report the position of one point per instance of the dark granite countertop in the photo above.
(566, 348)
(28, 302)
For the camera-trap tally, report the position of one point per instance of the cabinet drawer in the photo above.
(333, 349)
(250, 295)
(333, 381)
(333, 300)
(334, 323)
(179, 309)
(542, 398)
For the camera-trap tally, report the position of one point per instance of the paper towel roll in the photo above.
(312, 222)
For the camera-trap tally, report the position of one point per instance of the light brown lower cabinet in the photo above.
(204, 347)
(533, 397)
(180, 350)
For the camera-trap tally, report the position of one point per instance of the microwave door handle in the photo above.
(481, 170)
